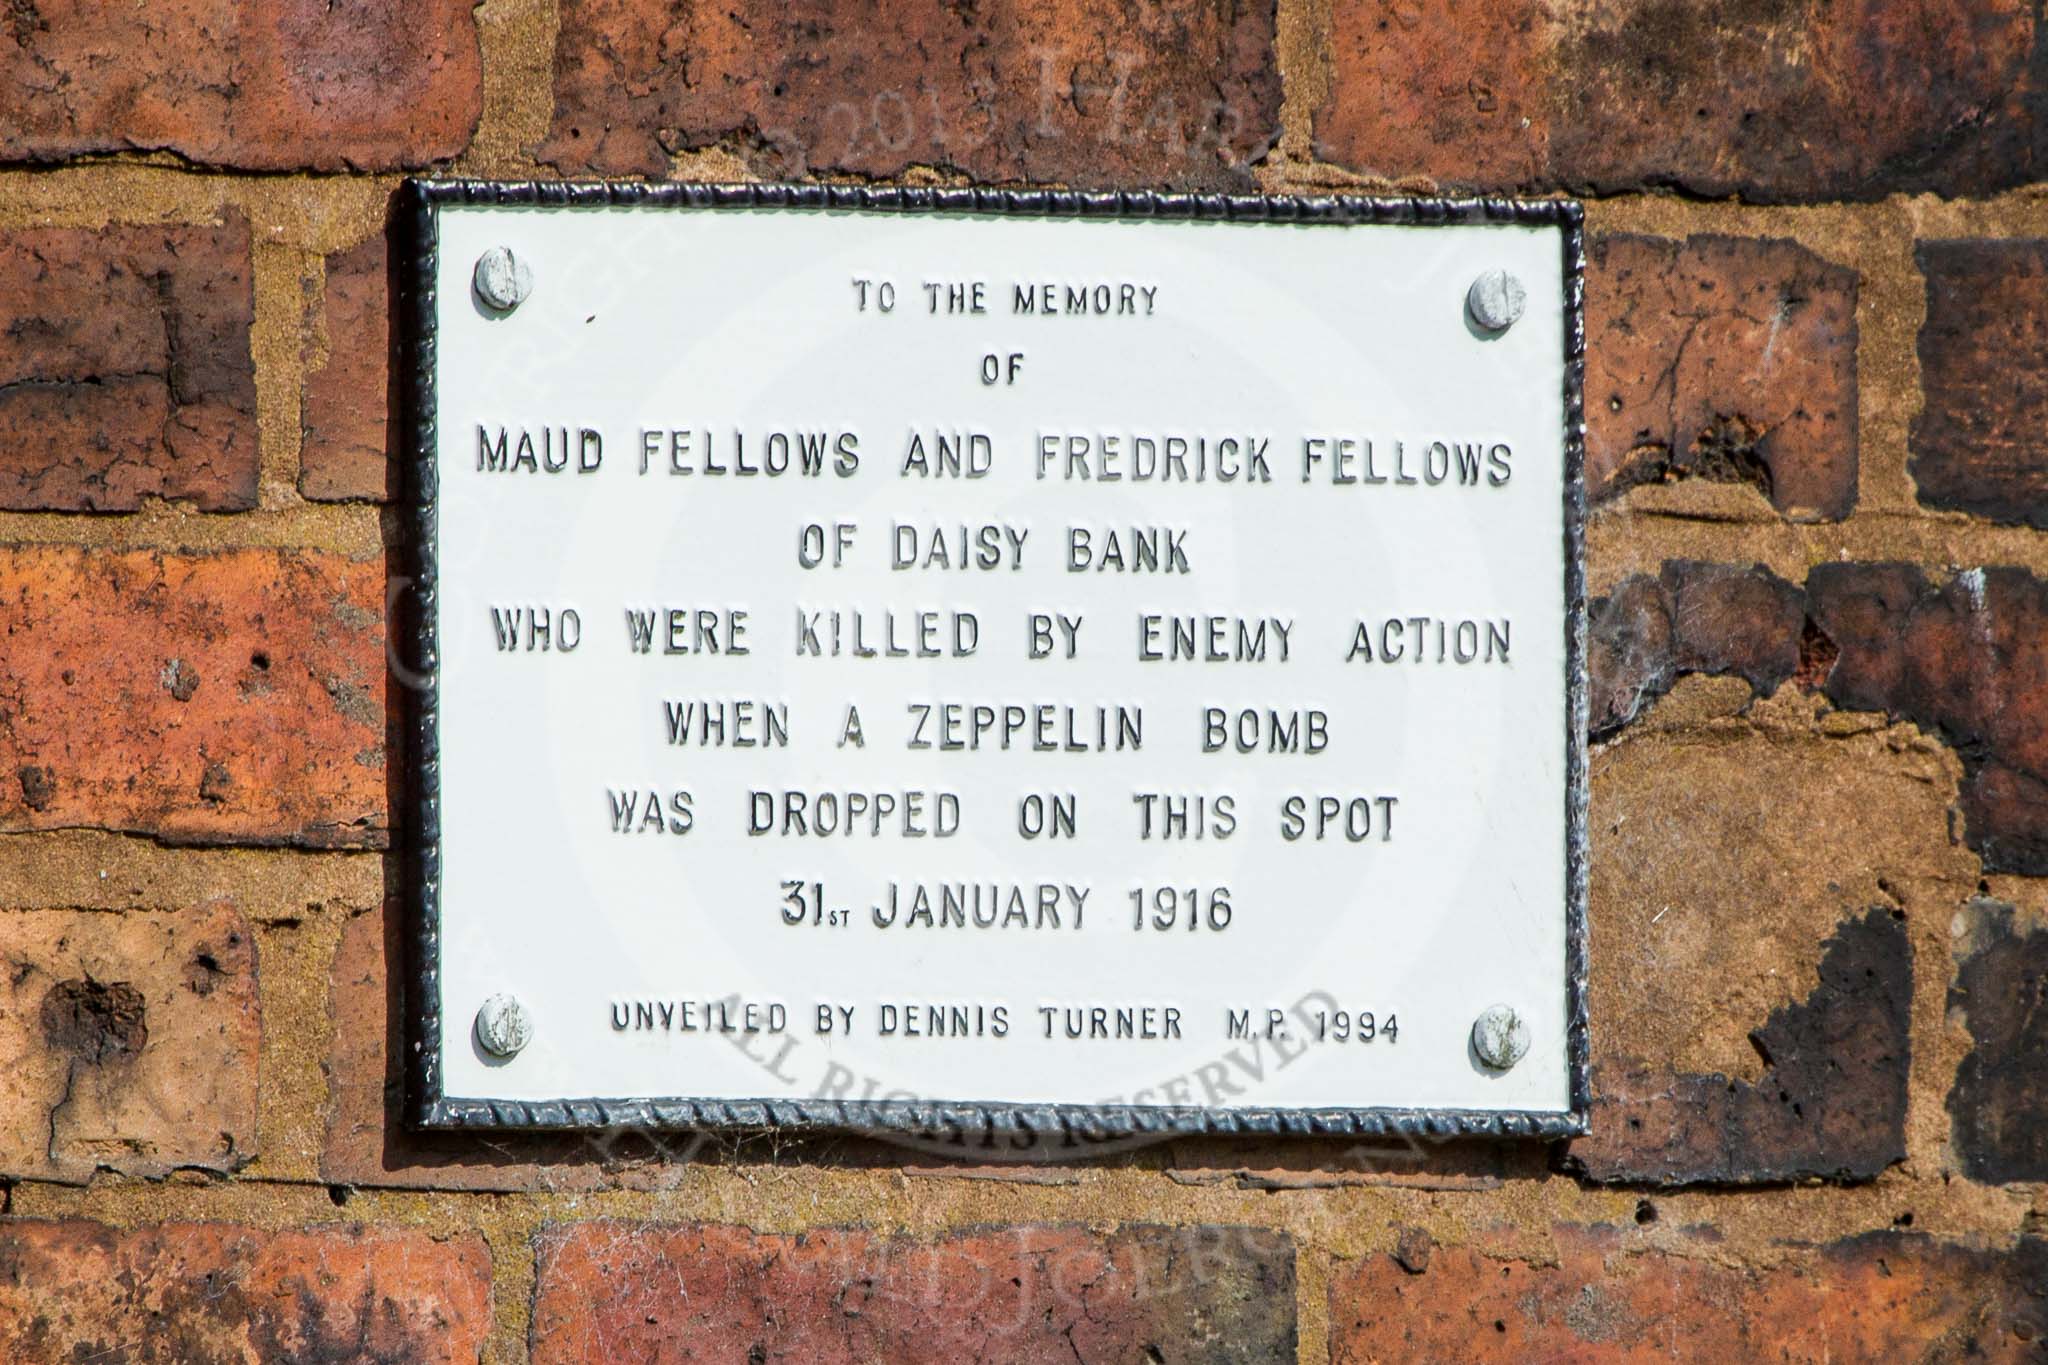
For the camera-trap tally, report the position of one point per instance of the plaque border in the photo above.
(414, 277)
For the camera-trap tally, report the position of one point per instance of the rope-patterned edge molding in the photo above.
(416, 305)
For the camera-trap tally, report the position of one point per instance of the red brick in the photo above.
(1180, 95)
(1977, 444)
(1453, 90)
(1831, 1102)
(292, 85)
(1968, 658)
(128, 1042)
(218, 698)
(1609, 1298)
(178, 1293)
(1773, 100)
(343, 418)
(125, 369)
(1723, 358)
(635, 1292)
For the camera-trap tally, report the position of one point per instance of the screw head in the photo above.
(1500, 1037)
(1495, 301)
(502, 1026)
(501, 279)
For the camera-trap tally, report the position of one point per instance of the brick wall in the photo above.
(1818, 311)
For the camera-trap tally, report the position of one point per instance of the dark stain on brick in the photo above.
(24, 20)
(1976, 445)
(313, 1332)
(215, 784)
(1769, 100)
(204, 972)
(181, 680)
(1734, 620)
(1691, 618)
(1628, 652)
(1831, 1103)
(1411, 1249)
(94, 1021)
(1999, 1104)
(1729, 450)
(1762, 98)
(38, 785)
(1969, 659)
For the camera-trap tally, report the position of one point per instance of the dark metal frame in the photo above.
(415, 277)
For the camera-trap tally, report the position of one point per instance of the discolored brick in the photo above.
(1722, 358)
(672, 1294)
(1969, 658)
(125, 368)
(178, 1293)
(1179, 95)
(1729, 619)
(1691, 618)
(343, 418)
(1831, 1101)
(1999, 1103)
(296, 85)
(1977, 445)
(1771, 100)
(1608, 1298)
(127, 1042)
(280, 741)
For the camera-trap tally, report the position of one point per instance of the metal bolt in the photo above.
(502, 1026)
(1495, 300)
(502, 280)
(1500, 1037)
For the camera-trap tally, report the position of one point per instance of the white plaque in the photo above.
(974, 663)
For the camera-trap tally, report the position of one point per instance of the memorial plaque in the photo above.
(988, 665)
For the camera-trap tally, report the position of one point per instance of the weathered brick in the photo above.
(2000, 1100)
(1453, 90)
(1969, 658)
(125, 367)
(181, 1293)
(128, 1042)
(295, 85)
(1179, 95)
(224, 698)
(672, 1294)
(1723, 358)
(1977, 445)
(343, 418)
(1608, 1298)
(1773, 100)
(1830, 1103)
(1691, 618)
